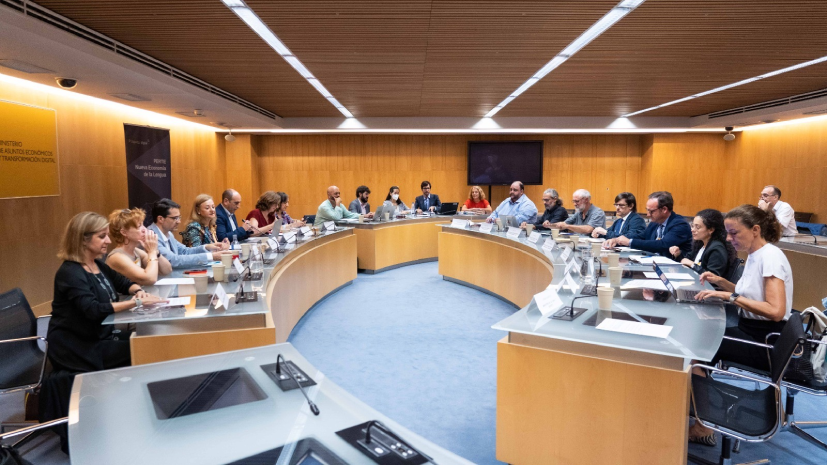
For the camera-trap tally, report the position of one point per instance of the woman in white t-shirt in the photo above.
(764, 294)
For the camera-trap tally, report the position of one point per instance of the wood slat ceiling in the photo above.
(462, 57)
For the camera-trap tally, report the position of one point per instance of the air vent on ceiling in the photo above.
(816, 112)
(192, 114)
(24, 66)
(131, 97)
(770, 104)
(45, 15)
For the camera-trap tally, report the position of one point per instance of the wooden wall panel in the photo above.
(92, 177)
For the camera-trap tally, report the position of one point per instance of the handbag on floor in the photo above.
(818, 358)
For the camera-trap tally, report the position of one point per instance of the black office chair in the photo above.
(21, 360)
(739, 413)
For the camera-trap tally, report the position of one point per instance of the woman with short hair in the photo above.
(263, 216)
(476, 202)
(134, 250)
(87, 290)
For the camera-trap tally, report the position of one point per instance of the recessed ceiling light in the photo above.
(25, 67)
(734, 84)
(256, 24)
(131, 97)
(602, 25)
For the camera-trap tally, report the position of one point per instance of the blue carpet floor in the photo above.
(421, 350)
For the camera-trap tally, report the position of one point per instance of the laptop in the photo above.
(448, 208)
(684, 295)
(510, 220)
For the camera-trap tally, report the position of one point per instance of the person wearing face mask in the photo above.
(393, 200)
(628, 222)
(586, 216)
(86, 291)
(134, 250)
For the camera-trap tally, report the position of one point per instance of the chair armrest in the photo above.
(736, 375)
(22, 339)
(818, 341)
(33, 428)
(766, 346)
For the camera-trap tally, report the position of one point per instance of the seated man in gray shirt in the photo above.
(586, 216)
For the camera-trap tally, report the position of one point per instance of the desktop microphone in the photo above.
(255, 228)
(571, 306)
(380, 426)
(313, 407)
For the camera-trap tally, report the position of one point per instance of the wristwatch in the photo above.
(733, 296)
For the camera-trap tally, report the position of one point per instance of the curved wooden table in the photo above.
(302, 278)
(384, 245)
(561, 401)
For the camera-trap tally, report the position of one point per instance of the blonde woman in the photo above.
(129, 236)
(87, 290)
(201, 228)
(476, 202)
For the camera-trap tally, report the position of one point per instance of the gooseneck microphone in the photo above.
(313, 407)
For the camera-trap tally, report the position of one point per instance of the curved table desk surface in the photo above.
(385, 245)
(112, 415)
(570, 393)
(808, 260)
(299, 276)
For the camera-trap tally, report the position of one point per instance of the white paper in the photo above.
(176, 302)
(656, 259)
(222, 296)
(174, 281)
(329, 225)
(513, 232)
(655, 284)
(549, 244)
(627, 249)
(305, 230)
(565, 254)
(670, 276)
(534, 237)
(635, 327)
(486, 227)
(238, 266)
(460, 224)
(548, 301)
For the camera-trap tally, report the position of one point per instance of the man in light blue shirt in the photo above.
(332, 208)
(167, 215)
(516, 205)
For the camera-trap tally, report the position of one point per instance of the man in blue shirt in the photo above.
(666, 228)
(517, 205)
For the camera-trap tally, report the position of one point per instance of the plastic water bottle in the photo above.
(235, 245)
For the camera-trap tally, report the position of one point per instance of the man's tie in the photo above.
(426, 203)
(660, 232)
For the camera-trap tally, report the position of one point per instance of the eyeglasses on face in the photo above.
(174, 218)
(620, 205)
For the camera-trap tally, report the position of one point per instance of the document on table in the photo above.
(655, 284)
(174, 281)
(635, 327)
(176, 302)
(457, 223)
(670, 276)
(656, 259)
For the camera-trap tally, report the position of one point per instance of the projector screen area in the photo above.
(500, 163)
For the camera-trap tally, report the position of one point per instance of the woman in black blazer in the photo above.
(86, 292)
(710, 249)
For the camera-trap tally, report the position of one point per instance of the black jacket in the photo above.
(554, 215)
(78, 342)
(714, 259)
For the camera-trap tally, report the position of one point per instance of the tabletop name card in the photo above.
(329, 226)
(290, 237)
(513, 232)
(571, 283)
(549, 245)
(238, 266)
(565, 254)
(486, 227)
(273, 243)
(548, 301)
(305, 230)
(459, 224)
(222, 296)
(534, 237)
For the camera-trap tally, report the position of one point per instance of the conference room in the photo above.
(547, 232)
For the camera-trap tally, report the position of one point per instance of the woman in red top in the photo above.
(264, 215)
(476, 202)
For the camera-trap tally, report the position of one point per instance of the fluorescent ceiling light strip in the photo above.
(259, 27)
(602, 25)
(735, 84)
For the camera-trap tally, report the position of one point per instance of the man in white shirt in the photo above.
(771, 198)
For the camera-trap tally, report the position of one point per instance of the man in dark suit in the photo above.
(226, 225)
(360, 204)
(628, 223)
(666, 228)
(426, 202)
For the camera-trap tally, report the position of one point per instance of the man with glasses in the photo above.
(554, 211)
(628, 223)
(167, 215)
(666, 229)
(517, 205)
(586, 216)
(226, 224)
(771, 199)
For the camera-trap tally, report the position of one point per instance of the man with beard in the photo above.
(586, 216)
(517, 205)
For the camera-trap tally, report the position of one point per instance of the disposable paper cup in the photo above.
(218, 272)
(529, 228)
(201, 282)
(615, 274)
(361, 218)
(614, 259)
(596, 246)
(499, 224)
(386, 215)
(245, 251)
(555, 233)
(227, 260)
(604, 297)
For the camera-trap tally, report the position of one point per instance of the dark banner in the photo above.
(147, 165)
